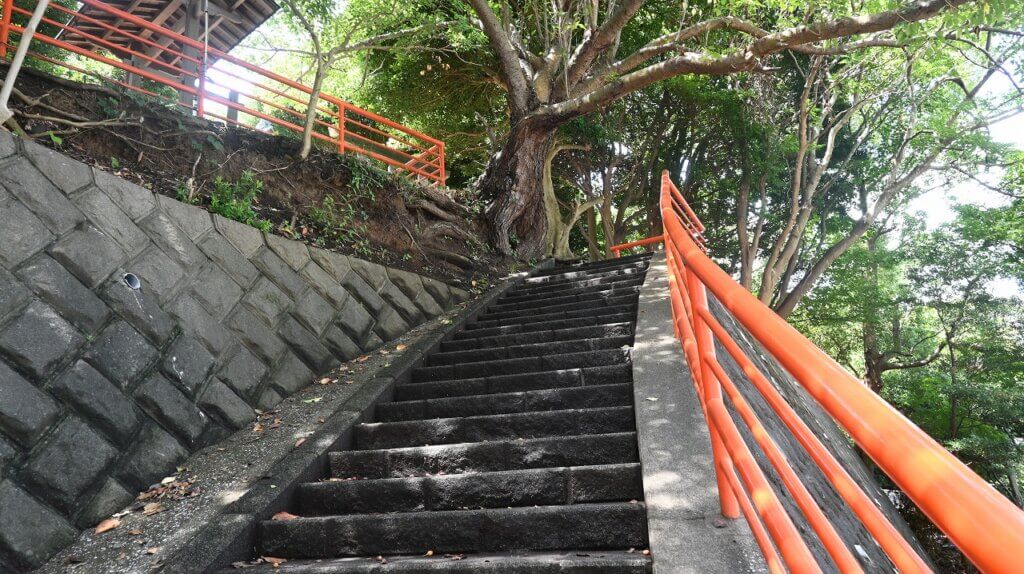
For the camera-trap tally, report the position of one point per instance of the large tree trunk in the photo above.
(513, 183)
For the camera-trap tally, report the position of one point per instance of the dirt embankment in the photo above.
(341, 202)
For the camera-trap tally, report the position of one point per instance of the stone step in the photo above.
(513, 454)
(628, 308)
(560, 307)
(494, 427)
(577, 562)
(505, 403)
(531, 487)
(554, 325)
(542, 300)
(576, 276)
(614, 525)
(623, 329)
(592, 265)
(521, 365)
(530, 350)
(596, 278)
(581, 288)
(604, 375)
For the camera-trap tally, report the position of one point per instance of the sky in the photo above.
(937, 205)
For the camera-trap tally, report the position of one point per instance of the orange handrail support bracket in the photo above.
(203, 77)
(982, 523)
(617, 249)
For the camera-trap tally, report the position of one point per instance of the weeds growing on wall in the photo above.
(235, 200)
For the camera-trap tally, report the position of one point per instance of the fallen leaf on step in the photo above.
(134, 532)
(401, 347)
(652, 399)
(153, 550)
(283, 516)
(313, 400)
(275, 562)
(647, 552)
(153, 508)
(325, 381)
(429, 553)
(107, 525)
(299, 442)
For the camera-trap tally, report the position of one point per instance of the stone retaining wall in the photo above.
(103, 388)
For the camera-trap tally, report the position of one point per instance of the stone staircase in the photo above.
(512, 448)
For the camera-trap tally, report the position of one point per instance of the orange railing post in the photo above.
(5, 27)
(341, 127)
(444, 176)
(712, 389)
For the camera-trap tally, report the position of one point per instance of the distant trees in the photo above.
(914, 313)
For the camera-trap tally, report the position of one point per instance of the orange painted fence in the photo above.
(218, 86)
(983, 524)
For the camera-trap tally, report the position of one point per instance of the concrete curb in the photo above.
(686, 530)
(232, 535)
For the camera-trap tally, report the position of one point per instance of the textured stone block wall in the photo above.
(104, 389)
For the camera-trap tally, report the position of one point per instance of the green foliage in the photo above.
(336, 223)
(925, 299)
(235, 200)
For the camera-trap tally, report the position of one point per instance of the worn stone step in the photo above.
(610, 276)
(572, 276)
(521, 365)
(580, 561)
(623, 329)
(581, 288)
(592, 265)
(494, 427)
(504, 403)
(530, 350)
(543, 301)
(561, 378)
(553, 325)
(560, 307)
(530, 487)
(599, 526)
(628, 308)
(512, 454)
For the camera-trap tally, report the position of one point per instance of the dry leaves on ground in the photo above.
(107, 525)
(153, 508)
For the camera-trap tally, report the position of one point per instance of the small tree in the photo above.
(335, 35)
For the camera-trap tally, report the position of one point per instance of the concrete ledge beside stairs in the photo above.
(687, 532)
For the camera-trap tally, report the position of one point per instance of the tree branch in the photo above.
(519, 88)
(749, 58)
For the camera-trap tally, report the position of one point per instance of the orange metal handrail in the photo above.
(983, 524)
(402, 148)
